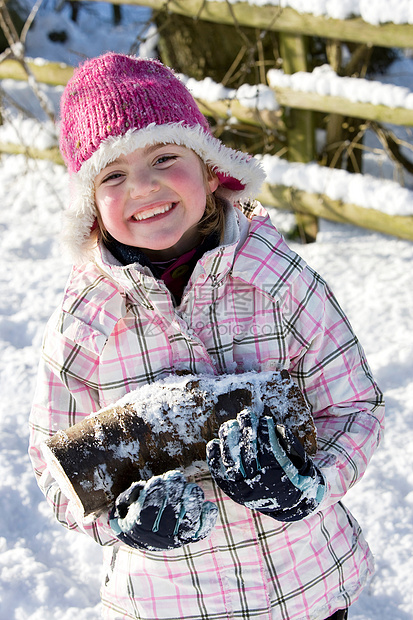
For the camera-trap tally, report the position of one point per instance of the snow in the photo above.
(259, 97)
(325, 81)
(47, 572)
(83, 39)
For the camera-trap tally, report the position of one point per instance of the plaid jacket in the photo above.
(251, 303)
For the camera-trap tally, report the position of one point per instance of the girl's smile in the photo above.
(154, 199)
(146, 214)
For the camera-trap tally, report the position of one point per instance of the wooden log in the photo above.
(163, 426)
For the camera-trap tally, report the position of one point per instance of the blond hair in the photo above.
(213, 219)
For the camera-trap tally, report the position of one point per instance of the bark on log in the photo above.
(163, 426)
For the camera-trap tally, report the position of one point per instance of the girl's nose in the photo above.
(143, 183)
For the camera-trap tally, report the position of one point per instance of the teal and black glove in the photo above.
(262, 465)
(164, 513)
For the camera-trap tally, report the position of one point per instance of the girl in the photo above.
(171, 275)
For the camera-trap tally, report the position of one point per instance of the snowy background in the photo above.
(47, 573)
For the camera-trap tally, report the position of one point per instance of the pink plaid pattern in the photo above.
(250, 304)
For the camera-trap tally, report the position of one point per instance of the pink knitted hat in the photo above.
(115, 104)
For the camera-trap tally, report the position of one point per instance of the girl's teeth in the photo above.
(146, 216)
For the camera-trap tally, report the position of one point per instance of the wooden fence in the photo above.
(292, 26)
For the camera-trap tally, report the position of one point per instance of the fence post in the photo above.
(300, 123)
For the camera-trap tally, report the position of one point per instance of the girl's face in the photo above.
(154, 199)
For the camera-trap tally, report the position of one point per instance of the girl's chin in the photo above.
(158, 246)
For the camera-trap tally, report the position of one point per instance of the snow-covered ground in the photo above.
(47, 573)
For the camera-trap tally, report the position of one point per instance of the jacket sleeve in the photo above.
(329, 364)
(66, 392)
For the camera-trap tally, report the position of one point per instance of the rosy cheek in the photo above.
(105, 201)
(107, 209)
(179, 174)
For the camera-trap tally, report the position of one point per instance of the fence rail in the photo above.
(52, 73)
(331, 104)
(271, 17)
(320, 205)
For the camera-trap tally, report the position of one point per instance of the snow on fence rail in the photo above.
(323, 90)
(377, 12)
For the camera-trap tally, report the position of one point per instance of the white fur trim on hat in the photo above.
(81, 215)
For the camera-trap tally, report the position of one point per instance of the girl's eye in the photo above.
(112, 177)
(162, 159)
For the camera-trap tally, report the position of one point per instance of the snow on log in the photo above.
(165, 425)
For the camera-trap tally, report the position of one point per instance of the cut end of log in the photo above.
(60, 475)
